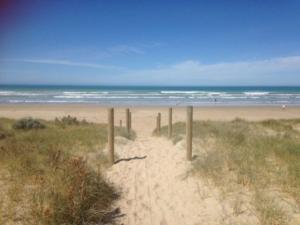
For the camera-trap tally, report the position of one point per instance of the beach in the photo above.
(143, 120)
(149, 113)
(152, 174)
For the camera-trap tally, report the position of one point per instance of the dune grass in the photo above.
(260, 156)
(43, 180)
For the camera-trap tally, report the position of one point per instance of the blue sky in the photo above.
(150, 42)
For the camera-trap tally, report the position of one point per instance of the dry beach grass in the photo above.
(44, 180)
(261, 159)
(243, 171)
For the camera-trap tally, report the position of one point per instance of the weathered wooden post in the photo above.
(189, 132)
(158, 119)
(170, 123)
(127, 120)
(111, 145)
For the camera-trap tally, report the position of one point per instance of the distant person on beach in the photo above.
(283, 107)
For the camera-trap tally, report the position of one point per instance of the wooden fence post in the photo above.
(111, 145)
(189, 132)
(158, 119)
(127, 120)
(170, 123)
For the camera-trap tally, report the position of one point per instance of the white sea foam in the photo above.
(216, 93)
(180, 92)
(16, 93)
(122, 97)
(176, 97)
(233, 97)
(85, 92)
(6, 93)
(93, 97)
(162, 97)
(152, 97)
(44, 101)
(260, 93)
(15, 101)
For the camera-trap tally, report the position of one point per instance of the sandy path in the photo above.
(156, 189)
(154, 186)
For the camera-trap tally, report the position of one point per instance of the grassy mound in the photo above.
(260, 156)
(44, 181)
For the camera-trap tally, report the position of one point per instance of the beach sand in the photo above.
(143, 118)
(151, 173)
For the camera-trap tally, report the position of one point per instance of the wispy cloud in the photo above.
(272, 71)
(117, 50)
(62, 62)
(193, 72)
(125, 49)
(138, 49)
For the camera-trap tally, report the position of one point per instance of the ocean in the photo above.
(150, 95)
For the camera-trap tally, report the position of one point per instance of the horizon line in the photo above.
(142, 85)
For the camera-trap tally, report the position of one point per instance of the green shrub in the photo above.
(69, 121)
(28, 124)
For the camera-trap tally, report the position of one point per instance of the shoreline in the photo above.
(72, 104)
(153, 96)
(144, 117)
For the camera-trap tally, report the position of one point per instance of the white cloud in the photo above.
(242, 67)
(124, 49)
(273, 71)
(192, 72)
(62, 62)
(94, 53)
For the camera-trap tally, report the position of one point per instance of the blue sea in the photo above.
(150, 95)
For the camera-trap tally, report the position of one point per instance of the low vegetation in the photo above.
(43, 178)
(122, 131)
(258, 156)
(69, 121)
(28, 124)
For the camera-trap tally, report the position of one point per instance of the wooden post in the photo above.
(127, 120)
(189, 132)
(111, 145)
(158, 119)
(120, 123)
(170, 123)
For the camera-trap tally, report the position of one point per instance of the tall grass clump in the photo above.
(28, 124)
(46, 182)
(122, 131)
(74, 195)
(255, 155)
(69, 121)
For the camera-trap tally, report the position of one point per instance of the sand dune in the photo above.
(152, 173)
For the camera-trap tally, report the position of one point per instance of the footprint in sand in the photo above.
(129, 202)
